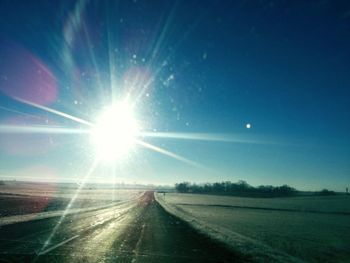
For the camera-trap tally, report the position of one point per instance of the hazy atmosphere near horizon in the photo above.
(167, 91)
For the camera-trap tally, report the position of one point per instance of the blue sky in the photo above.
(209, 67)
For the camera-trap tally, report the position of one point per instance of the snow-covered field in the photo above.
(20, 202)
(62, 191)
(312, 229)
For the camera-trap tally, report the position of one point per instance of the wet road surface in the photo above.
(136, 231)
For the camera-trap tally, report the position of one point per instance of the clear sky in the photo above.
(252, 90)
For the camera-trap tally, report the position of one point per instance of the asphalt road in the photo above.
(135, 231)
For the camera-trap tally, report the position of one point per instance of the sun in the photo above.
(115, 131)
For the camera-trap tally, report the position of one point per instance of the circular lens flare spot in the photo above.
(114, 132)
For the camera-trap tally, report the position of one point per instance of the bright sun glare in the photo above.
(114, 132)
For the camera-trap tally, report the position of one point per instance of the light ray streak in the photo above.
(93, 58)
(156, 51)
(40, 129)
(59, 113)
(171, 154)
(211, 137)
(112, 63)
(171, 54)
(71, 202)
(57, 245)
(17, 112)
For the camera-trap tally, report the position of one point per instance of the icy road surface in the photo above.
(136, 231)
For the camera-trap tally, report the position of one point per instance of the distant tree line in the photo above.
(240, 188)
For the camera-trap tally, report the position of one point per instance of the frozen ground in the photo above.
(51, 190)
(22, 202)
(312, 229)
